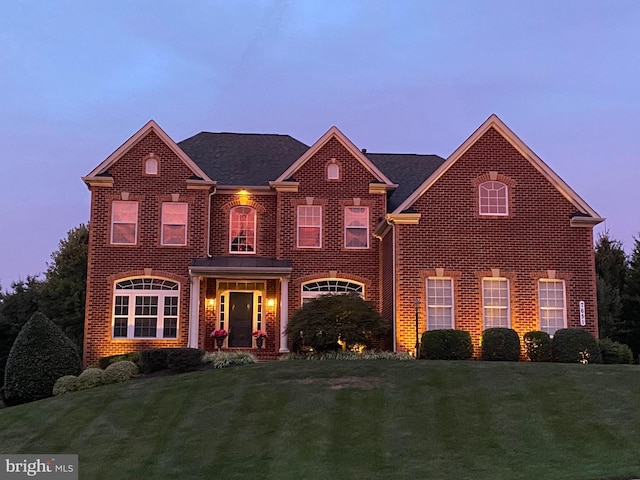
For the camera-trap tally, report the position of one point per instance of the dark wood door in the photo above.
(240, 319)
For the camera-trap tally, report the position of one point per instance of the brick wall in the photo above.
(534, 238)
(108, 263)
(308, 264)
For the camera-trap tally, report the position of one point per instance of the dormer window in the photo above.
(151, 166)
(333, 171)
(493, 198)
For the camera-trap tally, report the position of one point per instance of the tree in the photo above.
(611, 271)
(631, 301)
(64, 288)
(15, 310)
(329, 321)
(41, 354)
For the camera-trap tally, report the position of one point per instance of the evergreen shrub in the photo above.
(615, 352)
(68, 383)
(537, 346)
(500, 344)
(575, 345)
(446, 344)
(40, 355)
(184, 359)
(153, 359)
(104, 362)
(91, 377)
(120, 371)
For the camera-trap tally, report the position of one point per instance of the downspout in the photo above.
(395, 285)
(209, 223)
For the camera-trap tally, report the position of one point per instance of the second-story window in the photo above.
(174, 223)
(242, 230)
(124, 222)
(309, 226)
(356, 227)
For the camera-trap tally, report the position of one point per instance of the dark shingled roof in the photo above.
(243, 158)
(407, 170)
(254, 159)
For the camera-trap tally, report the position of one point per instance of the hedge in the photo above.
(447, 344)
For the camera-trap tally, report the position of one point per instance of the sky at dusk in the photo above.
(77, 79)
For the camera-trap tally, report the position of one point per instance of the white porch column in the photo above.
(284, 313)
(194, 309)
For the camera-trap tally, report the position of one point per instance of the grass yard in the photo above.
(347, 420)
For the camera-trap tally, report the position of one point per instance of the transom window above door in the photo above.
(242, 226)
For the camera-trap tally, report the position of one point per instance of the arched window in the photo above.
(151, 166)
(242, 237)
(333, 171)
(493, 198)
(146, 308)
(316, 288)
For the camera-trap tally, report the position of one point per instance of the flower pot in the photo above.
(219, 342)
(259, 342)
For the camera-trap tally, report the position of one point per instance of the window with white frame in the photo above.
(493, 199)
(124, 222)
(551, 299)
(356, 227)
(174, 223)
(495, 302)
(151, 166)
(333, 171)
(439, 303)
(309, 226)
(146, 308)
(242, 230)
(311, 290)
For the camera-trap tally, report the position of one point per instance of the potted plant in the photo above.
(259, 335)
(219, 336)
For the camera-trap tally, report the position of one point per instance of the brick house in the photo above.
(236, 231)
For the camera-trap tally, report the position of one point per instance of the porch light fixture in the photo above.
(243, 197)
(211, 303)
(271, 304)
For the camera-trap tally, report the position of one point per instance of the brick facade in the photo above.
(535, 240)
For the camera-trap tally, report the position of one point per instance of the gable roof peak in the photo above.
(334, 132)
(150, 126)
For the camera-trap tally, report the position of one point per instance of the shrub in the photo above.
(349, 356)
(328, 321)
(91, 377)
(575, 345)
(104, 362)
(153, 360)
(120, 371)
(446, 345)
(40, 355)
(228, 359)
(615, 352)
(184, 359)
(537, 346)
(68, 383)
(500, 344)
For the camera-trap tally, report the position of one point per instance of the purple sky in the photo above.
(78, 78)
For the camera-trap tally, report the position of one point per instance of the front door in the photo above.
(240, 319)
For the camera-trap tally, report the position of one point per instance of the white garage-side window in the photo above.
(146, 308)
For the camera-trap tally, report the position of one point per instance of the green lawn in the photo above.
(347, 420)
